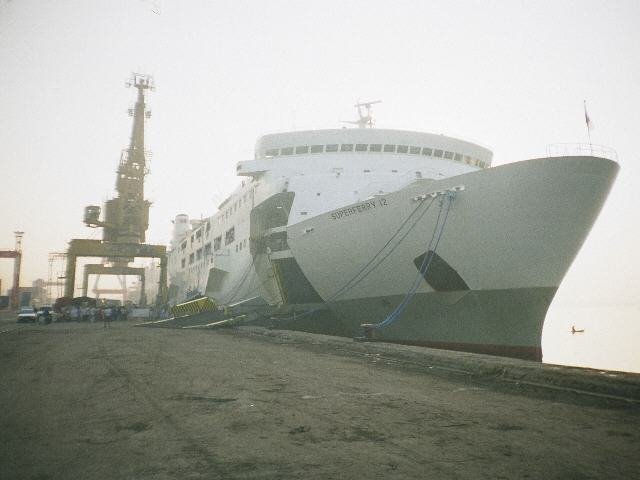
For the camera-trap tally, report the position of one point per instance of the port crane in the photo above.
(16, 254)
(126, 216)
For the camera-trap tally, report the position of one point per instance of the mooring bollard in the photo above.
(369, 330)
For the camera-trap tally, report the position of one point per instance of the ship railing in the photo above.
(581, 150)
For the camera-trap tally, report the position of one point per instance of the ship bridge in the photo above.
(372, 140)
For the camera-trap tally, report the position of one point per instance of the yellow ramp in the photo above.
(192, 307)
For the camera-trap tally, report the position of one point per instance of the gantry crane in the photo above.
(16, 254)
(126, 216)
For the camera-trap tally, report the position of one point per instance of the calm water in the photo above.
(611, 338)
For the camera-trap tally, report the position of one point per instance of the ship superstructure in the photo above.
(412, 233)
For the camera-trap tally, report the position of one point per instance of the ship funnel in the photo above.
(180, 226)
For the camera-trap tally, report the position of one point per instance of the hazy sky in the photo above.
(510, 75)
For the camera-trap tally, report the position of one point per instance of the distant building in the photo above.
(36, 294)
(24, 296)
(39, 294)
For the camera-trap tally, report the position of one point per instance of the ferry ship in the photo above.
(404, 236)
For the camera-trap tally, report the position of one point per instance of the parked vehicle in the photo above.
(27, 314)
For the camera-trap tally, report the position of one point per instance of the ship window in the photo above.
(389, 148)
(303, 213)
(414, 150)
(317, 148)
(229, 236)
(198, 233)
(403, 149)
(331, 148)
(272, 152)
(394, 171)
(236, 248)
(367, 171)
(361, 147)
(217, 243)
(207, 248)
(198, 254)
(286, 151)
(457, 157)
(346, 147)
(375, 147)
(183, 246)
(183, 262)
(304, 149)
(427, 151)
(437, 153)
(208, 227)
(448, 155)
(191, 258)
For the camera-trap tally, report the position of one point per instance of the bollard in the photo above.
(369, 333)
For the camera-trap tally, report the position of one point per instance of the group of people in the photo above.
(74, 313)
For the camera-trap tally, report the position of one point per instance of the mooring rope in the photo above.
(426, 263)
(363, 272)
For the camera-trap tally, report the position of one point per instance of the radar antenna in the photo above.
(366, 120)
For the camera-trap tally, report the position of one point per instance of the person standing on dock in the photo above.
(102, 315)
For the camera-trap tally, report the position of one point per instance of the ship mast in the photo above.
(365, 120)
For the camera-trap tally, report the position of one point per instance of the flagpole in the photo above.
(588, 122)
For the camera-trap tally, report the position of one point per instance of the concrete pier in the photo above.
(84, 401)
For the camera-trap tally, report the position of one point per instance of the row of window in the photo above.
(378, 148)
(197, 234)
(192, 259)
(229, 237)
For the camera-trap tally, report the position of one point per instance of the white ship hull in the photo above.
(350, 228)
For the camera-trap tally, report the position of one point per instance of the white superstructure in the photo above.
(326, 169)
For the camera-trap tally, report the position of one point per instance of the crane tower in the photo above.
(126, 217)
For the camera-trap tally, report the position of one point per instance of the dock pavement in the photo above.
(83, 401)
